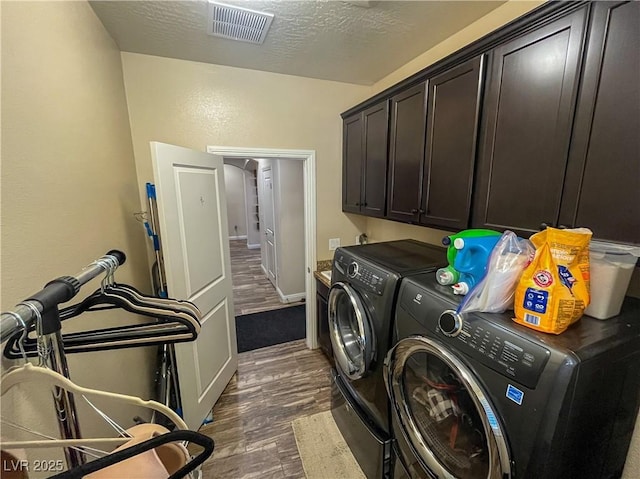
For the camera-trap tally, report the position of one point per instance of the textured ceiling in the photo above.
(331, 40)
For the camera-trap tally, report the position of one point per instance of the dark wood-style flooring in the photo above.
(252, 419)
(252, 291)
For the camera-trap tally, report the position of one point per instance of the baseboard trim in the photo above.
(238, 237)
(253, 246)
(291, 298)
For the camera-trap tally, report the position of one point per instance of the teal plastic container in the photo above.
(471, 260)
(450, 275)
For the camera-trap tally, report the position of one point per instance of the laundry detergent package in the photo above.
(553, 290)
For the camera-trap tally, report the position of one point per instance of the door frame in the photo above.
(308, 157)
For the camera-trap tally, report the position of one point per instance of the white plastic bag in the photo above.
(495, 292)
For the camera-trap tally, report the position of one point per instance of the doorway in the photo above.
(265, 200)
(307, 157)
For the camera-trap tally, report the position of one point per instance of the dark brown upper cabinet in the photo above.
(452, 122)
(551, 102)
(364, 167)
(528, 114)
(406, 153)
(433, 147)
(374, 182)
(352, 163)
(602, 186)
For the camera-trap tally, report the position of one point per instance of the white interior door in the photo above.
(192, 214)
(269, 228)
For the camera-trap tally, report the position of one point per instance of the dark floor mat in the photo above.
(259, 330)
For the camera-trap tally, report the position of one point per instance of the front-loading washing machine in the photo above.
(479, 396)
(364, 287)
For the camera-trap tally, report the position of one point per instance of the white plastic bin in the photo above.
(611, 269)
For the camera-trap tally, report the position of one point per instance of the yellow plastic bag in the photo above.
(553, 291)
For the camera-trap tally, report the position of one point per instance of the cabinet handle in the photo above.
(357, 204)
(414, 211)
(423, 212)
(563, 227)
(364, 204)
(543, 226)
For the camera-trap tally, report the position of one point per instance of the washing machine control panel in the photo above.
(369, 278)
(361, 274)
(503, 351)
(487, 339)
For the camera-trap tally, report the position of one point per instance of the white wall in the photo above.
(236, 206)
(69, 186)
(198, 105)
(290, 250)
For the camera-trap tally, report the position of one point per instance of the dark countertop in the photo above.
(324, 265)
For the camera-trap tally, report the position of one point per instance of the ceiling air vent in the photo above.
(238, 23)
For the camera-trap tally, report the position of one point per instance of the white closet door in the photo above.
(269, 227)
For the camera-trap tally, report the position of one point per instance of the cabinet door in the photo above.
(351, 163)
(529, 110)
(376, 127)
(450, 153)
(602, 188)
(322, 309)
(406, 153)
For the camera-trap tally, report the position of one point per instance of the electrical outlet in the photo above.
(357, 239)
(334, 243)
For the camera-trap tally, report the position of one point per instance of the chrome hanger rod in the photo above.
(56, 292)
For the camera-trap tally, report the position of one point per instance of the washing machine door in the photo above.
(352, 335)
(443, 412)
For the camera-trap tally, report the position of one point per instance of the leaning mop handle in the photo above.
(58, 291)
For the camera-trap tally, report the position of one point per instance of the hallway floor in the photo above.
(252, 419)
(252, 291)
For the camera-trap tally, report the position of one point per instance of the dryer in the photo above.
(479, 396)
(365, 282)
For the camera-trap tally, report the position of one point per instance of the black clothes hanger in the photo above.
(173, 321)
(193, 437)
(128, 298)
(183, 305)
(186, 306)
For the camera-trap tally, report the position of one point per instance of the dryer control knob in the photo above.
(450, 323)
(352, 270)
